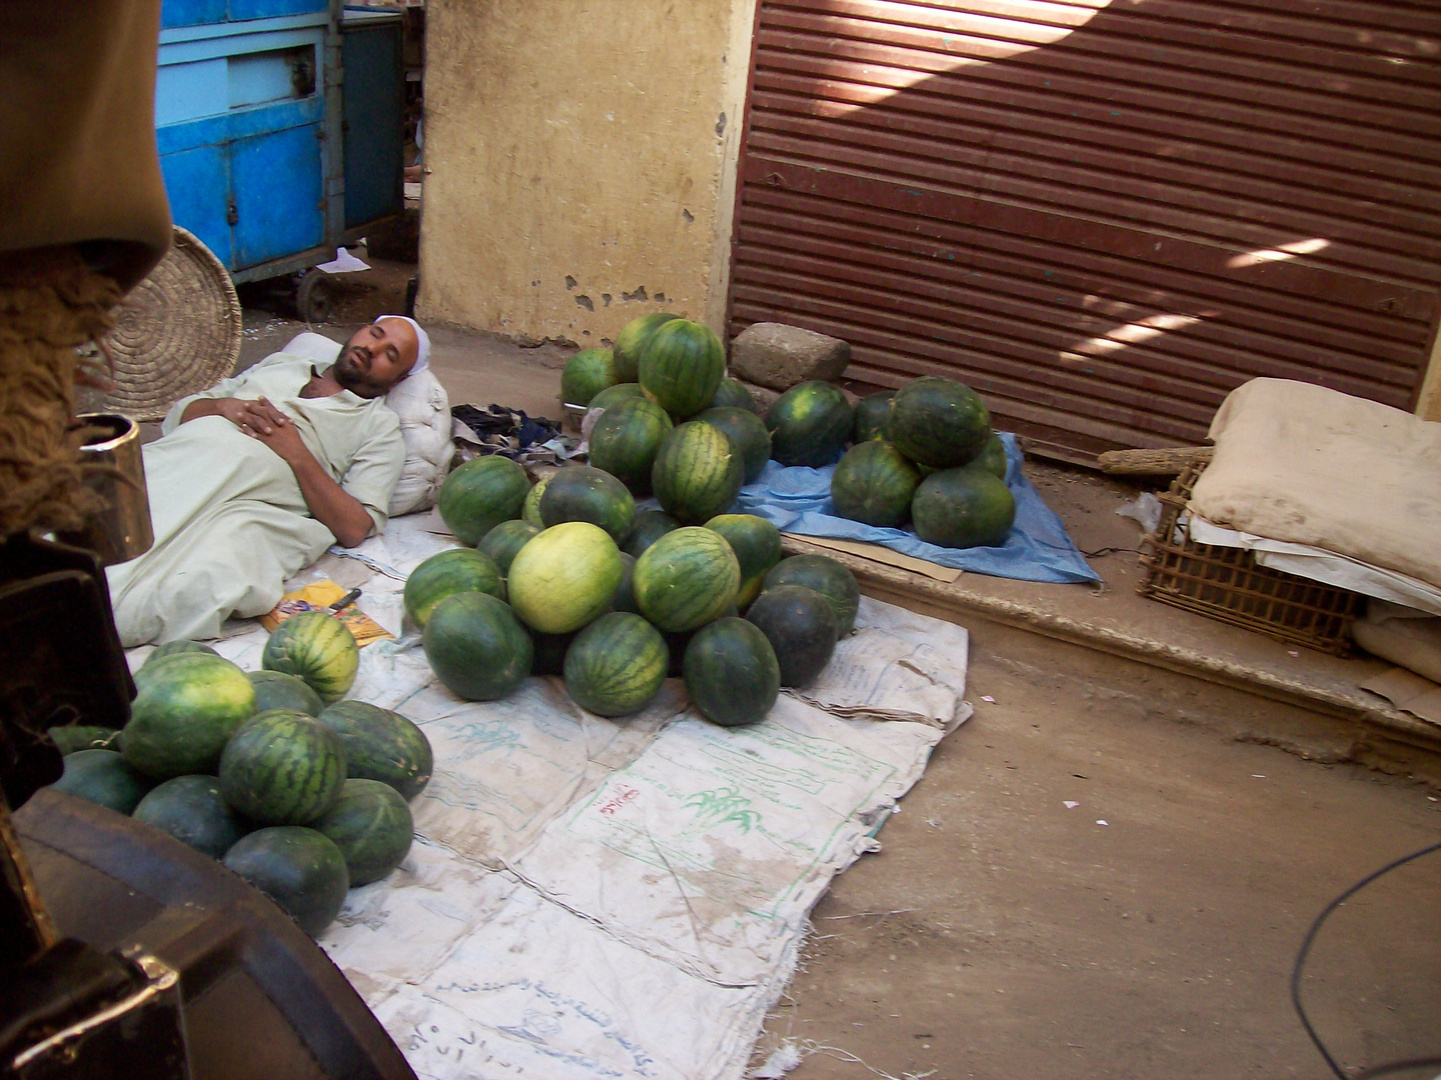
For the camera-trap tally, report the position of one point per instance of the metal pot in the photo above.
(122, 530)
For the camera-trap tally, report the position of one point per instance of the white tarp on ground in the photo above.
(596, 898)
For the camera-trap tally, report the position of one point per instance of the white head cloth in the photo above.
(422, 355)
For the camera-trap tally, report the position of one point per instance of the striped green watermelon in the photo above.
(872, 412)
(698, 473)
(185, 709)
(992, 457)
(965, 507)
(809, 424)
(192, 809)
(171, 648)
(686, 578)
(732, 394)
(277, 690)
(476, 645)
(102, 777)
(565, 577)
(503, 541)
(530, 508)
(316, 647)
(731, 672)
(479, 495)
(586, 374)
(585, 493)
(650, 526)
(614, 395)
(381, 745)
(827, 577)
(681, 366)
(300, 869)
(446, 573)
(747, 433)
(282, 768)
(625, 440)
(873, 484)
(938, 422)
(616, 665)
(371, 825)
(631, 342)
(757, 544)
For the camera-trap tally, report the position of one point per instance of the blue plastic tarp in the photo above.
(798, 500)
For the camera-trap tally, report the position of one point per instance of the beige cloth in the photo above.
(1308, 465)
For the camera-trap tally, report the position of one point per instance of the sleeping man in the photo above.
(254, 478)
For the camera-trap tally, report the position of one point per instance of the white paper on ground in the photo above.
(343, 263)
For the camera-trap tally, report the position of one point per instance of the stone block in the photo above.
(779, 356)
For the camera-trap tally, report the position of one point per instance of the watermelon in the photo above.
(686, 578)
(624, 598)
(371, 825)
(871, 414)
(825, 576)
(938, 422)
(650, 526)
(800, 624)
(72, 737)
(757, 544)
(565, 577)
(747, 433)
(624, 441)
(476, 646)
(614, 395)
(503, 541)
(316, 647)
(277, 690)
(732, 394)
(172, 648)
(185, 709)
(616, 665)
(681, 366)
(964, 507)
(809, 424)
(530, 509)
(993, 459)
(447, 573)
(585, 493)
(282, 768)
(104, 778)
(381, 745)
(698, 473)
(550, 650)
(586, 374)
(731, 672)
(873, 484)
(631, 342)
(300, 869)
(192, 809)
(479, 495)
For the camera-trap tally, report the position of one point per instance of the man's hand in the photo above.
(251, 417)
(272, 427)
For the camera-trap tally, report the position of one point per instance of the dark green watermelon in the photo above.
(585, 493)
(873, 484)
(371, 825)
(192, 809)
(277, 690)
(282, 768)
(300, 869)
(549, 653)
(316, 647)
(801, 626)
(757, 545)
(173, 648)
(504, 541)
(479, 495)
(731, 672)
(625, 440)
(103, 777)
(185, 709)
(586, 374)
(650, 526)
(698, 473)
(992, 457)
(614, 395)
(477, 646)
(963, 508)
(747, 432)
(631, 342)
(809, 424)
(624, 599)
(381, 745)
(732, 394)
(72, 737)
(681, 366)
(825, 576)
(938, 422)
(446, 573)
(686, 579)
(871, 414)
(616, 665)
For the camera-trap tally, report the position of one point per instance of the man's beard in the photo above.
(349, 375)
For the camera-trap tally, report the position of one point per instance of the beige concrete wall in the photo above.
(581, 158)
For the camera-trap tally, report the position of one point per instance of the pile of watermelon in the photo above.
(566, 577)
(303, 794)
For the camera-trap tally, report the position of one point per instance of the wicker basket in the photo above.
(1225, 583)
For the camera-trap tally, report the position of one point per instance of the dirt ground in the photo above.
(1147, 931)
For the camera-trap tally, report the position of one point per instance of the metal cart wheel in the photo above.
(315, 296)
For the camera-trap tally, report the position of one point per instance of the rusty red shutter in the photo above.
(1103, 216)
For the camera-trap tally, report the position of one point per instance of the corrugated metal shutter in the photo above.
(1103, 216)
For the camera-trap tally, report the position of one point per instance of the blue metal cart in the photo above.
(279, 124)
